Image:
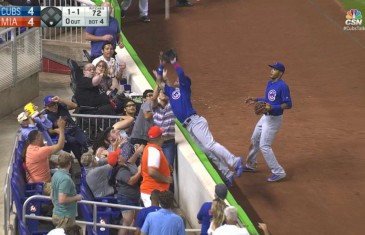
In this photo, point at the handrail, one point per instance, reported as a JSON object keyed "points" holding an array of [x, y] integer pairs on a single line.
{"points": [[95, 116], [94, 223], [7, 190]]}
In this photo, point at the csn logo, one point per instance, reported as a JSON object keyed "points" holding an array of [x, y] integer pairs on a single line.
{"points": [[353, 17]]}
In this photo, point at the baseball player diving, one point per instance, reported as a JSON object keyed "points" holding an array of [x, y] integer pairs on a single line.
{"points": [[179, 93], [271, 107]]}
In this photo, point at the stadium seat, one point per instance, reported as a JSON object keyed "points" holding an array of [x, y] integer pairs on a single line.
{"points": [[87, 212], [76, 72]]}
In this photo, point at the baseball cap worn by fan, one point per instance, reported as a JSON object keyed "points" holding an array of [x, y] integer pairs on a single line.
{"points": [[22, 117], [48, 100], [279, 66], [221, 191], [113, 157], [155, 131]]}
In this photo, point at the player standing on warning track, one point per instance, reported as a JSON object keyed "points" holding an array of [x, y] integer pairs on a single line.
{"points": [[277, 98], [179, 93]]}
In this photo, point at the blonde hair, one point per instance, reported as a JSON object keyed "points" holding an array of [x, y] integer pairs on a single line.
{"points": [[87, 159], [218, 207], [64, 160]]}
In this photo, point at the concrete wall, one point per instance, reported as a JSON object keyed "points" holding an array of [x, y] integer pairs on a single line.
{"points": [[193, 183], [15, 97]]}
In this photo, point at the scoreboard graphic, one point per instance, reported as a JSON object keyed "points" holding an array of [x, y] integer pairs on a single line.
{"points": [[37, 16]]}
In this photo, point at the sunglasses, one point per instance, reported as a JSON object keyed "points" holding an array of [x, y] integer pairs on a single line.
{"points": [[130, 105]]}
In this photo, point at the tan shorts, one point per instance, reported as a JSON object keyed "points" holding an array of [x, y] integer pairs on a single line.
{"points": [[47, 188], [62, 222]]}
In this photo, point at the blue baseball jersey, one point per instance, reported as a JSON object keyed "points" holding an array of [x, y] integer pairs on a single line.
{"points": [[112, 29], [276, 94], [180, 97]]}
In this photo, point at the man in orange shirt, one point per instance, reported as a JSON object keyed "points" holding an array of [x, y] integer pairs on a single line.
{"points": [[155, 167], [37, 156]]}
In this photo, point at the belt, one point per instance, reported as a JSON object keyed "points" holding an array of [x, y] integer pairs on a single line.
{"points": [[268, 114], [188, 120]]}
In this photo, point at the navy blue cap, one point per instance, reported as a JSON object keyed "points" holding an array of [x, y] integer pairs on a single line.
{"points": [[279, 66]]}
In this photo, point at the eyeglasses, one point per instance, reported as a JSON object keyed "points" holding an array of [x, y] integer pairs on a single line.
{"points": [[130, 105], [100, 66]]}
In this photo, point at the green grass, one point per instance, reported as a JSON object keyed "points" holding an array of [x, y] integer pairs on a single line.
{"points": [[354, 4]]}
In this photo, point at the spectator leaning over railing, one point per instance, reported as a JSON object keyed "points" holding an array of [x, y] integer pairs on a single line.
{"points": [[76, 139], [156, 172], [98, 173], [230, 226], [205, 213], [127, 177], [164, 221], [142, 214], [37, 157], [31, 119], [144, 120], [164, 117], [64, 195], [99, 35], [88, 94]]}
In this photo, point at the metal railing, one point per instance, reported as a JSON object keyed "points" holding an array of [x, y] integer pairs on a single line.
{"points": [[93, 124], [8, 202], [20, 55], [65, 34], [94, 223]]}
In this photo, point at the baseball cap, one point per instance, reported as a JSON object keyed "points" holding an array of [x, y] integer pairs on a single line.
{"points": [[155, 131], [48, 100], [22, 117], [279, 66], [113, 157], [221, 191]]}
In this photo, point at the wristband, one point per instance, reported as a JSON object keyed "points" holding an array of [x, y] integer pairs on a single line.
{"points": [[160, 70]]}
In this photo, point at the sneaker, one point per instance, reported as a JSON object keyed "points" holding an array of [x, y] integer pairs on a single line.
{"points": [[275, 178], [249, 169], [229, 181], [184, 4], [239, 167], [122, 13], [145, 19]]}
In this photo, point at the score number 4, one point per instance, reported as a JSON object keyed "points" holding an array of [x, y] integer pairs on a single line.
{"points": [[31, 12]]}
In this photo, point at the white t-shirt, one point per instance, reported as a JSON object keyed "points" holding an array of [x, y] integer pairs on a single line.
{"points": [[111, 63], [231, 230], [56, 231]]}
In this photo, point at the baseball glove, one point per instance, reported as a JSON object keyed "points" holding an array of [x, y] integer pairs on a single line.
{"points": [[262, 107], [169, 55]]}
